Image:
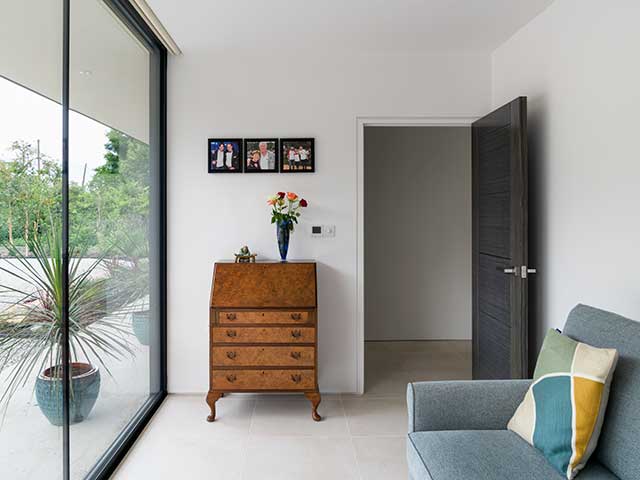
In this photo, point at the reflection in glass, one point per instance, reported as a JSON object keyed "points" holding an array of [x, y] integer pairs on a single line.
{"points": [[114, 234], [110, 227], [30, 211]]}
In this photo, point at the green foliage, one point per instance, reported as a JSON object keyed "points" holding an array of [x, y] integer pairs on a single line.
{"points": [[30, 193], [108, 219], [114, 200]]}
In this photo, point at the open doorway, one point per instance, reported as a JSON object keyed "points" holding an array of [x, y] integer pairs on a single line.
{"points": [[417, 238]]}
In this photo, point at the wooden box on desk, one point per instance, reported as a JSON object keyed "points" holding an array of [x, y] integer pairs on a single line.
{"points": [[263, 330]]}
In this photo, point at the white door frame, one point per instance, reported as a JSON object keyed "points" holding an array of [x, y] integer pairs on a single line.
{"points": [[381, 121]]}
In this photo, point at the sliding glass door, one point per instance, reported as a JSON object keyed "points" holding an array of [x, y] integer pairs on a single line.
{"points": [[82, 235], [31, 440]]}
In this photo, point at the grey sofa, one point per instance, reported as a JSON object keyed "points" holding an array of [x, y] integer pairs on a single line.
{"points": [[457, 430]]}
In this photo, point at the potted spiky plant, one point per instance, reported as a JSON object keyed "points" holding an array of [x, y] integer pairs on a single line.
{"points": [[31, 325], [131, 268]]}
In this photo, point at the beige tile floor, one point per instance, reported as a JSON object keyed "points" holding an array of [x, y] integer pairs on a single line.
{"points": [[273, 437]]}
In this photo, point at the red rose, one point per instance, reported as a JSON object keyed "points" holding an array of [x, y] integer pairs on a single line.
{"points": [[281, 194], [303, 203]]}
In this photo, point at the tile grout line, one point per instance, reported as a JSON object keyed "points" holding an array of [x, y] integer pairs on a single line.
{"points": [[245, 452], [353, 446]]}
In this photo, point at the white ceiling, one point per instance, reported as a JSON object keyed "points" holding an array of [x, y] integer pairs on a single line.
{"points": [[109, 68], [376, 26]]}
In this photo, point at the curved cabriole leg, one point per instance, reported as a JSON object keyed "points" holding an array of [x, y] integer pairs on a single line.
{"points": [[314, 398], [212, 398]]}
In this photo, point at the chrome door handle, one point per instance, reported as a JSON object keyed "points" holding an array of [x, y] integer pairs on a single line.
{"points": [[521, 272]]}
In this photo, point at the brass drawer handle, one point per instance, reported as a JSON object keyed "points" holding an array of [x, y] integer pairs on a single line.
{"points": [[296, 355], [296, 333], [231, 333], [296, 378], [296, 316], [231, 378], [231, 355], [231, 316]]}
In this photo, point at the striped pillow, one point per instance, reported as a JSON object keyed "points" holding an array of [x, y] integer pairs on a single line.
{"points": [[563, 410]]}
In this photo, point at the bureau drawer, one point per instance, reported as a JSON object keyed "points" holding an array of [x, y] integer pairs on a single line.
{"points": [[263, 379], [231, 318], [263, 356], [263, 334]]}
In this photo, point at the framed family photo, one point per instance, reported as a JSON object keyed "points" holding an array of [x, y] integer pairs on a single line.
{"points": [[225, 155], [298, 155], [261, 155]]}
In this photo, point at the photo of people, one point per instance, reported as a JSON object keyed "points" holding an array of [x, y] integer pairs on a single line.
{"points": [[298, 155], [261, 155], [225, 155]]}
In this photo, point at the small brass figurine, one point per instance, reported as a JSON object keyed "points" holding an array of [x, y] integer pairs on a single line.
{"points": [[245, 256]]}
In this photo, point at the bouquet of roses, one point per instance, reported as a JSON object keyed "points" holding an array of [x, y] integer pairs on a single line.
{"points": [[284, 208]]}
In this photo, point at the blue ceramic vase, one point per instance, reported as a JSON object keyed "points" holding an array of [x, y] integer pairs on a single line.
{"points": [[140, 324], [283, 233], [85, 386]]}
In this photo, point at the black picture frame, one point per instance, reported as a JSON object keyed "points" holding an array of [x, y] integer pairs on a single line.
{"points": [[251, 146], [298, 164], [237, 162]]}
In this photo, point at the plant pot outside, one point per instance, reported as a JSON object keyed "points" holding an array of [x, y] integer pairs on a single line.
{"points": [[140, 326], [85, 387]]}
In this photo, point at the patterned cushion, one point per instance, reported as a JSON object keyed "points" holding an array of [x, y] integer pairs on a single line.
{"points": [[563, 410]]}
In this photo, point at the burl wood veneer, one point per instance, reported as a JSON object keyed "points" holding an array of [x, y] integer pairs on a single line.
{"points": [[262, 330]]}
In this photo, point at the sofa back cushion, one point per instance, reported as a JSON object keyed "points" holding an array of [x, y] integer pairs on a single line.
{"points": [[619, 446]]}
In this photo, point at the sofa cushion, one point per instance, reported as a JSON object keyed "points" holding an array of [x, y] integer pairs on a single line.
{"points": [[618, 447], [562, 413], [483, 454]]}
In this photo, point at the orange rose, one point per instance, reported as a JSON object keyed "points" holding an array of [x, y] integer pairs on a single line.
{"points": [[292, 196]]}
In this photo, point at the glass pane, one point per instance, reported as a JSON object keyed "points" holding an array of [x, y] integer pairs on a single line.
{"points": [[112, 234], [30, 218]]}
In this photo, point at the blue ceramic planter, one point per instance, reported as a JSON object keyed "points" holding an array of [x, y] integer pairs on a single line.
{"points": [[283, 233], [85, 386], [140, 324]]}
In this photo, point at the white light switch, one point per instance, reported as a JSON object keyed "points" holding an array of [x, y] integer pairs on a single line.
{"points": [[328, 230]]}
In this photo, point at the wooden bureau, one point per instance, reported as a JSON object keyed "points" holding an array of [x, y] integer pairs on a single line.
{"points": [[262, 330]]}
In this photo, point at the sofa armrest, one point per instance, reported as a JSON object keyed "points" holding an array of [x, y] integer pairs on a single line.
{"points": [[463, 405]]}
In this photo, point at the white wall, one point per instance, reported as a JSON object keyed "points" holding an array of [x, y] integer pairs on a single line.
{"points": [[578, 64], [417, 242], [310, 94]]}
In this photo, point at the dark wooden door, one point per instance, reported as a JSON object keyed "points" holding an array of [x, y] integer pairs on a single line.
{"points": [[500, 271]]}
